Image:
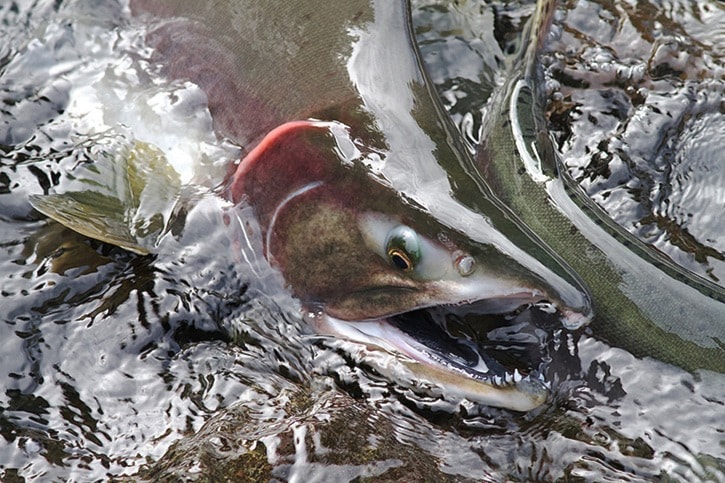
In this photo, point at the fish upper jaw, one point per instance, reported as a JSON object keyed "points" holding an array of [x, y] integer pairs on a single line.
{"points": [[499, 298], [453, 269]]}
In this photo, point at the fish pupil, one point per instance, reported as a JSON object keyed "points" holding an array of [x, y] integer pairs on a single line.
{"points": [[399, 260]]}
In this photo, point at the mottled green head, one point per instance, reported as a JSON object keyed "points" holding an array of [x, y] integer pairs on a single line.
{"points": [[358, 254]]}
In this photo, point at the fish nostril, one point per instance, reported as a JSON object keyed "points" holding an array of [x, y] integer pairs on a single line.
{"points": [[465, 264]]}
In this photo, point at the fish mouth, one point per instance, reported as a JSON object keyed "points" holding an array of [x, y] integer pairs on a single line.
{"points": [[475, 351]]}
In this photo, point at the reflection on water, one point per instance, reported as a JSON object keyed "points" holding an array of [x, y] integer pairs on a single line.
{"points": [[108, 357], [637, 111], [181, 364]]}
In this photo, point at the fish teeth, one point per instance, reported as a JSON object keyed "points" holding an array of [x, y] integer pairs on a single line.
{"points": [[541, 379], [508, 378], [571, 344], [546, 307]]}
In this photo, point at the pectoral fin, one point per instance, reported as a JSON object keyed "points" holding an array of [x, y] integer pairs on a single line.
{"points": [[126, 198]]}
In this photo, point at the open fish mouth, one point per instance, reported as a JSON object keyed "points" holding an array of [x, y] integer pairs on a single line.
{"points": [[497, 359]]}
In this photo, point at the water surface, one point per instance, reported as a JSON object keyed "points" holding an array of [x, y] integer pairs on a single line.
{"points": [[192, 363]]}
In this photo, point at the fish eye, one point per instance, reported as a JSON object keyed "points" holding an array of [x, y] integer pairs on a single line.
{"points": [[403, 248]]}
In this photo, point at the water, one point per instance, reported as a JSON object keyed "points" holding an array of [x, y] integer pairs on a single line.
{"points": [[646, 86], [107, 357], [181, 365]]}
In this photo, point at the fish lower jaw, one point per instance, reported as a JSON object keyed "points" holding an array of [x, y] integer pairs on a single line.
{"points": [[476, 383]]}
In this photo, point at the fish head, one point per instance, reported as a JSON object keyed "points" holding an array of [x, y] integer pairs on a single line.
{"points": [[361, 257]]}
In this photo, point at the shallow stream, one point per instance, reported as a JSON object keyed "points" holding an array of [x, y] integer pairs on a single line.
{"points": [[176, 366]]}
